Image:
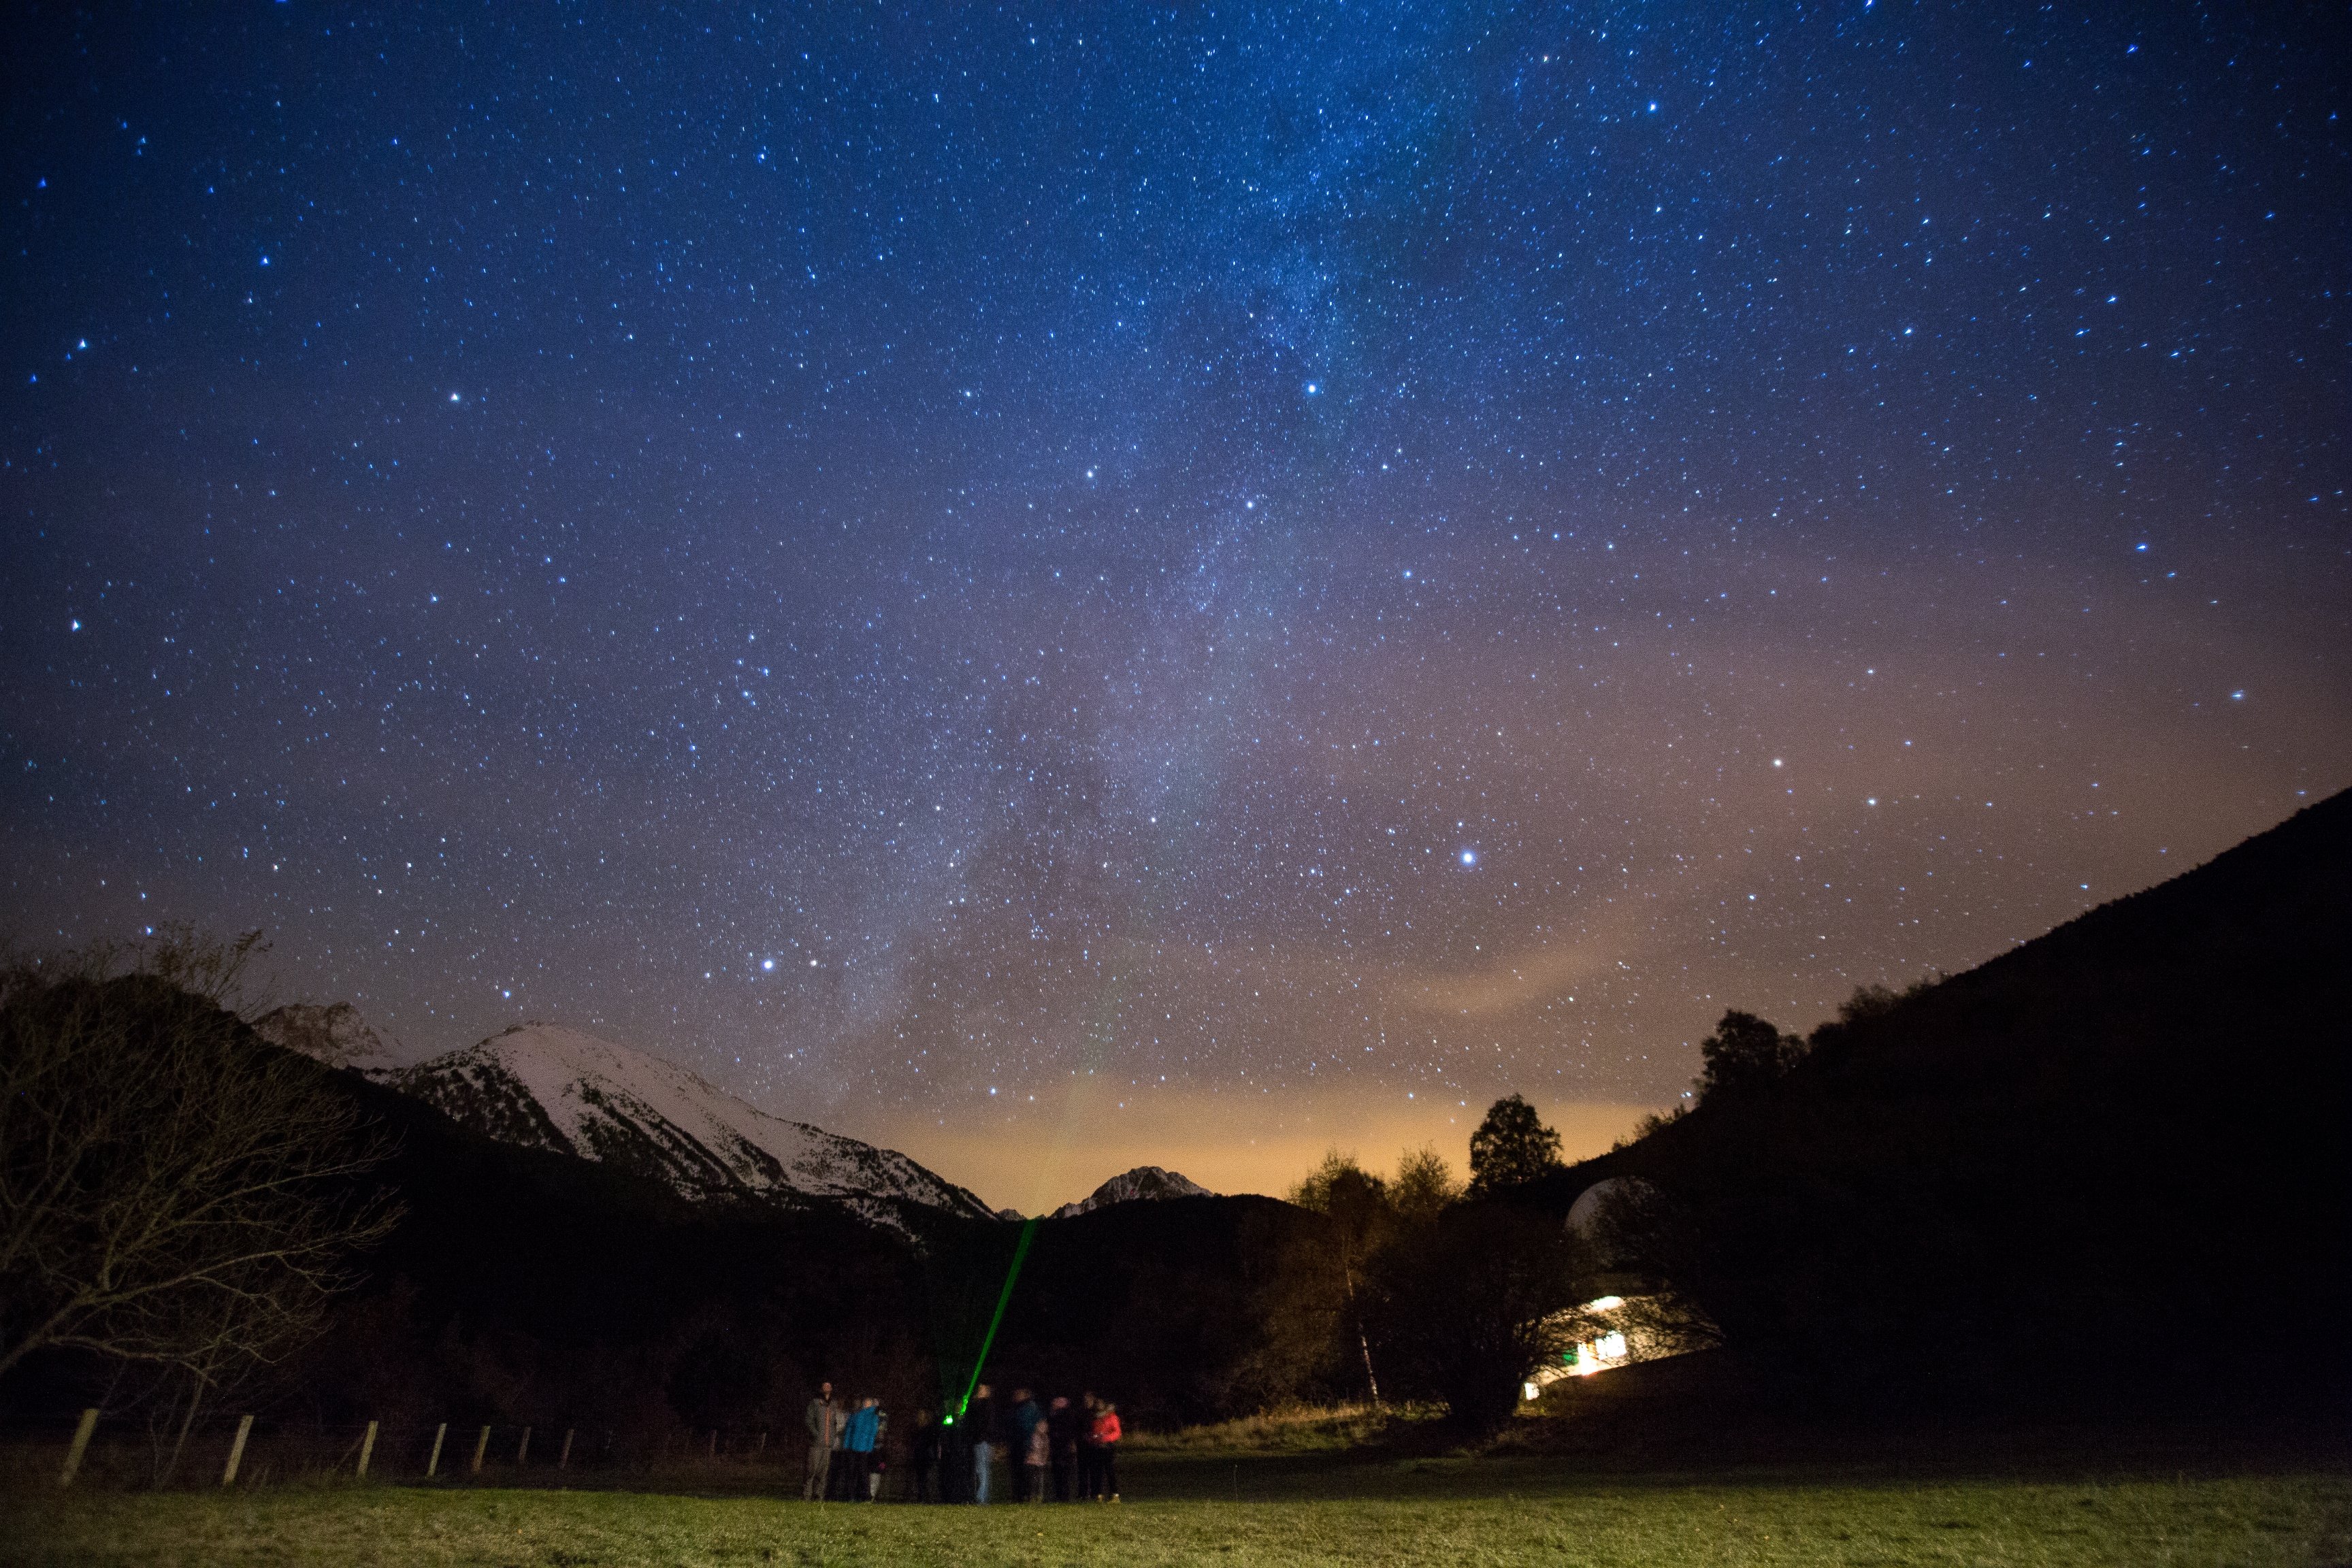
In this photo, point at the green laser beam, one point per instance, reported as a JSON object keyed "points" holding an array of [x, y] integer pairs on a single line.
{"points": [[1003, 1297]]}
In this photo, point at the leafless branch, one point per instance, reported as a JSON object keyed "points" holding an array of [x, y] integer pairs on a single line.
{"points": [[173, 1190]]}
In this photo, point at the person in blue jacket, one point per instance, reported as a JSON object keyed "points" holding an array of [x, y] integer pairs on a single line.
{"points": [[858, 1444]]}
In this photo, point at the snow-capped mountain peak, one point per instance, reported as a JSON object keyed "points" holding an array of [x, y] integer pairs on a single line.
{"points": [[1143, 1184], [547, 1087]]}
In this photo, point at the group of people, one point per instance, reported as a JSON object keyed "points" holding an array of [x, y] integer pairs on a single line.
{"points": [[845, 1437], [1059, 1449]]}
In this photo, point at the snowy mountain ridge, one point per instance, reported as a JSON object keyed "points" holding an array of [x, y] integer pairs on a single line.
{"points": [[545, 1087]]}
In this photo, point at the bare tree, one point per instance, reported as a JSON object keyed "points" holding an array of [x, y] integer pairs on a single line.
{"points": [[174, 1193], [1326, 1277], [1357, 1204]]}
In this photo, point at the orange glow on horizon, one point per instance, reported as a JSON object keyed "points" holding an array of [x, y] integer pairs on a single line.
{"points": [[1037, 1160]]}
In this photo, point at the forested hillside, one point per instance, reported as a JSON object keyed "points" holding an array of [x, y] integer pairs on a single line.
{"points": [[2111, 1165]]}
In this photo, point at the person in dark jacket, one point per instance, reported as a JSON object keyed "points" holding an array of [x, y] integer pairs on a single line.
{"points": [[1086, 1450], [1020, 1425], [955, 1454], [839, 1484], [923, 1454], [1026, 1413], [1063, 1427], [824, 1419], [981, 1419]]}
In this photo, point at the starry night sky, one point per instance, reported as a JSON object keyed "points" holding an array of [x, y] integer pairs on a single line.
{"points": [[1168, 578]]}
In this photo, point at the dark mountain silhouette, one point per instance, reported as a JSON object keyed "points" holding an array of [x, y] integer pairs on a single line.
{"points": [[2111, 1165], [1157, 1305], [530, 1284], [533, 1286], [526, 1285]]}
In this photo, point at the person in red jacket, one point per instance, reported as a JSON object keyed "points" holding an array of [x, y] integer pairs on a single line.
{"points": [[1104, 1440]]}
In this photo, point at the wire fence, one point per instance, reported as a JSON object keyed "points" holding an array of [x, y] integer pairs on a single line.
{"points": [[128, 1452]]}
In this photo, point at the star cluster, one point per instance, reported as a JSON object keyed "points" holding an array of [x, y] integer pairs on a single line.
{"points": [[909, 556]]}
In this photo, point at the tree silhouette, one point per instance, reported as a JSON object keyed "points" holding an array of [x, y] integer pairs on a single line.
{"points": [[174, 1194], [1512, 1145], [1357, 1203], [1424, 1185], [1470, 1302], [1745, 1053]]}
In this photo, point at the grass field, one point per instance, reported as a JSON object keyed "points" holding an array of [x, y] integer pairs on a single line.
{"points": [[1240, 1510]]}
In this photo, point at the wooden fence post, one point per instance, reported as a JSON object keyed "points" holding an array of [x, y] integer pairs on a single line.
{"points": [[564, 1460], [367, 1448], [763, 1444], [523, 1450], [82, 1429], [236, 1450], [481, 1447], [432, 1464], [714, 1442]]}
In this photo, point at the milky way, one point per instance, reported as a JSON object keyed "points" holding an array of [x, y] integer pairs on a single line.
{"points": [[911, 558]]}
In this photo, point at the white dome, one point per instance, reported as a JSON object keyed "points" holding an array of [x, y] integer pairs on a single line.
{"points": [[1585, 1215]]}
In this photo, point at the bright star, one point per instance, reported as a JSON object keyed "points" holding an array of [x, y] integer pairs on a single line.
{"points": [[1469, 857]]}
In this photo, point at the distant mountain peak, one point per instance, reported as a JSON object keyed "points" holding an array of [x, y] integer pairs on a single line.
{"points": [[334, 1034], [1145, 1184], [543, 1086]]}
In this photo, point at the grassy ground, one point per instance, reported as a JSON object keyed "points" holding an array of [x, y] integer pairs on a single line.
{"points": [[1303, 1430], [1238, 1510]]}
